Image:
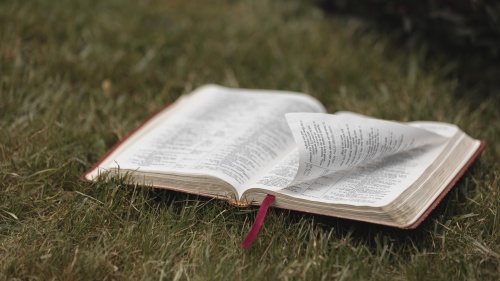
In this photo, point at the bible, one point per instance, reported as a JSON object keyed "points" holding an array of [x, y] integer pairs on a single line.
{"points": [[242, 145]]}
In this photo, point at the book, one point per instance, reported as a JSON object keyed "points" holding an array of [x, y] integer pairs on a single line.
{"points": [[242, 145]]}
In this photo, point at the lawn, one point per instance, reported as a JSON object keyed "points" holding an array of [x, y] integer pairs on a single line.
{"points": [[77, 76]]}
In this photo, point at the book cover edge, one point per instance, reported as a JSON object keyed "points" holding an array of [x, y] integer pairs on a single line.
{"points": [[120, 142], [457, 177]]}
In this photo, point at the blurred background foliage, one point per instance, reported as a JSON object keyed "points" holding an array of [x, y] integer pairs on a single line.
{"points": [[466, 33]]}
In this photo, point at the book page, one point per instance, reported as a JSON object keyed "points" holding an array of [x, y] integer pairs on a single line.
{"points": [[355, 160], [227, 133], [282, 174]]}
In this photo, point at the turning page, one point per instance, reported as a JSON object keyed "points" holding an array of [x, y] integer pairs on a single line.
{"points": [[355, 160], [329, 143]]}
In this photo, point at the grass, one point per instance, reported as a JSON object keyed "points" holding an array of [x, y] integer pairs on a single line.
{"points": [[76, 76]]}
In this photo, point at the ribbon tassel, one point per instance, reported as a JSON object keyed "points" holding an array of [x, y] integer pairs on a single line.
{"points": [[259, 220]]}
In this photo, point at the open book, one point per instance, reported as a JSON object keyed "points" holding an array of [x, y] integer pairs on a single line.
{"points": [[241, 145]]}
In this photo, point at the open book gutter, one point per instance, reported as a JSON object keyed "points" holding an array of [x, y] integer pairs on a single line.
{"points": [[281, 149]]}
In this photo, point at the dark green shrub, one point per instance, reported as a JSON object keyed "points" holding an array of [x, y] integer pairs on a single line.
{"points": [[468, 24], [464, 32]]}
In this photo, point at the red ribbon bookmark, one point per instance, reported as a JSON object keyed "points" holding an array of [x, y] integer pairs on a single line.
{"points": [[261, 215]]}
